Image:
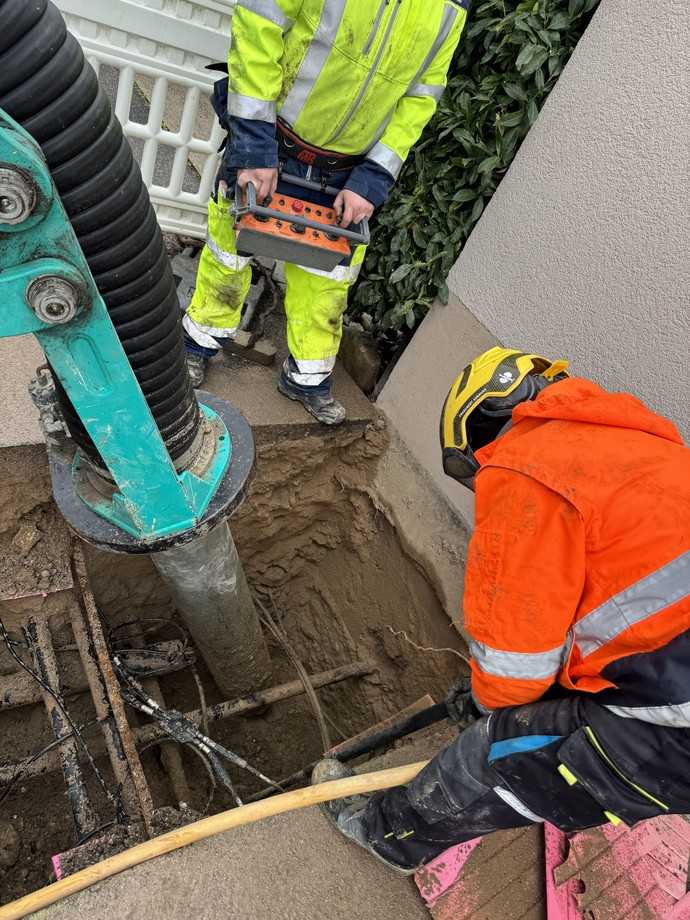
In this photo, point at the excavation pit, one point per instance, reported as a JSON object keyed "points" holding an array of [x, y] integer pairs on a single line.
{"points": [[325, 556]]}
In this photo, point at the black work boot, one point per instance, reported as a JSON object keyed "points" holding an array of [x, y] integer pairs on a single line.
{"points": [[347, 814], [318, 401]]}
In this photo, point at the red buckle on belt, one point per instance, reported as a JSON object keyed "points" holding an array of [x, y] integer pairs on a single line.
{"points": [[307, 156]]}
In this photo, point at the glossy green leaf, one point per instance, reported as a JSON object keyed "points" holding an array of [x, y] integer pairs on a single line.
{"points": [[401, 272]]}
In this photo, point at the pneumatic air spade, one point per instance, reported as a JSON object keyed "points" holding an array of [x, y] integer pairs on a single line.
{"points": [[118, 482]]}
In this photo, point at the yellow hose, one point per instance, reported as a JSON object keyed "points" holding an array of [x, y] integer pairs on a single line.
{"points": [[208, 827]]}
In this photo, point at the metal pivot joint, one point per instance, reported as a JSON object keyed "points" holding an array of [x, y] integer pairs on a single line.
{"points": [[17, 196], [54, 300]]}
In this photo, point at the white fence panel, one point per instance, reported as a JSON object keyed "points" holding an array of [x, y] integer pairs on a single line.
{"points": [[150, 55]]}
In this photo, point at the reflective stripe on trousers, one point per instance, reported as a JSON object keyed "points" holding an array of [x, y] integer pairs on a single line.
{"points": [[310, 373], [346, 273], [222, 283], [206, 336], [315, 302], [230, 260]]}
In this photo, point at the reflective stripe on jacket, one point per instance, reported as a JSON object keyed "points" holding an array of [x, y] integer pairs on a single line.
{"points": [[579, 567], [353, 76]]}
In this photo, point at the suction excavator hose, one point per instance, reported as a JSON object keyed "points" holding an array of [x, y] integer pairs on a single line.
{"points": [[48, 86]]}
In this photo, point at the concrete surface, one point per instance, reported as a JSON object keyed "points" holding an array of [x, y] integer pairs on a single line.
{"points": [[583, 250], [19, 358], [294, 867], [249, 387], [252, 389]]}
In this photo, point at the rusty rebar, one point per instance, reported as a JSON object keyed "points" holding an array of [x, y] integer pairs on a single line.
{"points": [[45, 663], [105, 690]]}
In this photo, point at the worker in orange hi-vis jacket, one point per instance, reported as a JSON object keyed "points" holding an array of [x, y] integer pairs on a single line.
{"points": [[577, 605]]}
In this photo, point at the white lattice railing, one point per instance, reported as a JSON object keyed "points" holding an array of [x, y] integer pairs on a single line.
{"points": [[150, 56]]}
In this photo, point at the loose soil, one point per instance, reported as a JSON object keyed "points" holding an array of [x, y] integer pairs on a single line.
{"points": [[319, 547]]}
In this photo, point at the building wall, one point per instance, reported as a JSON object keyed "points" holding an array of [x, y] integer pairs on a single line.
{"points": [[584, 250]]}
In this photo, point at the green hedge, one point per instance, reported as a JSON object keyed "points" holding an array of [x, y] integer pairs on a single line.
{"points": [[509, 60]]}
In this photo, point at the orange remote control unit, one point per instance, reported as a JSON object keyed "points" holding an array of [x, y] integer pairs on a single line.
{"points": [[293, 230]]}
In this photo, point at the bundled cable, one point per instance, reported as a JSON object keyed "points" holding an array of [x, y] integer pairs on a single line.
{"points": [[271, 623], [181, 730]]}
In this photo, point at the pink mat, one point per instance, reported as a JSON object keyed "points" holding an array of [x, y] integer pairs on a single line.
{"points": [[607, 873], [620, 873], [444, 872]]}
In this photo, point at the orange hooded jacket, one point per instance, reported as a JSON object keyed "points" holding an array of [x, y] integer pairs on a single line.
{"points": [[579, 567]]}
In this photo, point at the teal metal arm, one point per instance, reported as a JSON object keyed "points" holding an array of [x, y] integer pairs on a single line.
{"points": [[47, 289]]}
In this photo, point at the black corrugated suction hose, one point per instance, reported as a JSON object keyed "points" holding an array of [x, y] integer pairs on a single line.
{"points": [[47, 85]]}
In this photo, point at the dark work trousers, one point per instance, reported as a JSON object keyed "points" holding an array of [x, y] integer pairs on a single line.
{"points": [[570, 762]]}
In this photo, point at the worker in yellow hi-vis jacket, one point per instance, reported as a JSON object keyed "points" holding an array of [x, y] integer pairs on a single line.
{"points": [[333, 90]]}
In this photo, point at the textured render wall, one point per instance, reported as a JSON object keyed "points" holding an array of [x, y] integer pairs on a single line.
{"points": [[584, 250]]}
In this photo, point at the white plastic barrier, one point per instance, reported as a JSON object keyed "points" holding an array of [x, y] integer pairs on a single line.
{"points": [[151, 54]]}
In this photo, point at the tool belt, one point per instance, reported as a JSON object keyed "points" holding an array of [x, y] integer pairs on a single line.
{"points": [[290, 146]]}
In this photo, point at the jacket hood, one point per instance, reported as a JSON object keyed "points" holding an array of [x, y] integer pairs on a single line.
{"points": [[579, 400]]}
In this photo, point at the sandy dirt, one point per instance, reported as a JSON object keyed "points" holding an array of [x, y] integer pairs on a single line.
{"points": [[314, 542], [34, 555]]}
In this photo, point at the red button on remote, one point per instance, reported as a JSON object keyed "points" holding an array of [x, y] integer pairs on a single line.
{"points": [[297, 207]]}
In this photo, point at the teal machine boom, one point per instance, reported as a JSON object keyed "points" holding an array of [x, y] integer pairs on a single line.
{"points": [[137, 500]]}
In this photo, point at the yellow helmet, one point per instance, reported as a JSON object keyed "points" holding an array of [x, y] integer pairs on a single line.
{"points": [[482, 399]]}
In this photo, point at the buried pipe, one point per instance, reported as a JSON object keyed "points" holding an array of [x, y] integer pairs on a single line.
{"points": [[211, 594], [148, 733], [209, 827]]}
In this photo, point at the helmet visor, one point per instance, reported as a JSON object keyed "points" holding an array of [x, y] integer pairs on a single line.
{"points": [[458, 466]]}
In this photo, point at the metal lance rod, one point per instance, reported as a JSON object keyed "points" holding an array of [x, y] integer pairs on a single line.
{"points": [[211, 594]]}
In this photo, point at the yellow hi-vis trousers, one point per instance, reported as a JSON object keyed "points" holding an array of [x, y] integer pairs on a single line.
{"points": [[314, 301]]}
